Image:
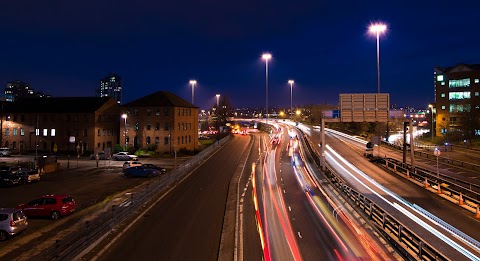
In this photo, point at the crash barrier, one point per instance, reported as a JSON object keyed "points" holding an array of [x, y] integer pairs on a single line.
{"points": [[449, 186], [442, 159], [400, 236], [85, 235]]}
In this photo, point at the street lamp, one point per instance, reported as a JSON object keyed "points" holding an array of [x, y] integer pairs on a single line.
{"points": [[291, 93], [378, 29], [266, 57], [193, 82], [124, 116], [431, 111]]}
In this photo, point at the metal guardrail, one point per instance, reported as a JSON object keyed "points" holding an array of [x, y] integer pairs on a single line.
{"points": [[86, 234], [398, 234], [450, 186], [458, 163]]}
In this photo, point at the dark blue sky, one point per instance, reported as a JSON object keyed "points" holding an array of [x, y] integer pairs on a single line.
{"points": [[64, 47]]}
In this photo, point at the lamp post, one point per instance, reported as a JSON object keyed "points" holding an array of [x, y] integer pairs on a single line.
{"points": [[124, 116], [431, 111], [291, 94], [378, 29], [193, 82], [218, 97], [437, 153], [266, 57]]}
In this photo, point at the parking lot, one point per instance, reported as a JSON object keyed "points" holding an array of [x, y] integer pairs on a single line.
{"points": [[87, 184]]}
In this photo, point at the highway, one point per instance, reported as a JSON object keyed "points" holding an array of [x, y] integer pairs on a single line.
{"points": [[302, 222], [187, 223], [379, 185]]}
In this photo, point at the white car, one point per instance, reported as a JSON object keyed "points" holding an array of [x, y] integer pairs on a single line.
{"points": [[124, 156], [132, 163]]}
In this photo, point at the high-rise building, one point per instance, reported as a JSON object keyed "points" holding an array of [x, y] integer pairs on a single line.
{"points": [[457, 93], [111, 86], [16, 90]]}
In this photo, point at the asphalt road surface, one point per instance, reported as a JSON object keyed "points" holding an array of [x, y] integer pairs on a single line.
{"points": [[187, 223]]}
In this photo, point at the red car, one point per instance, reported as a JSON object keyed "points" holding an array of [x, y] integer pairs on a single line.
{"points": [[53, 206]]}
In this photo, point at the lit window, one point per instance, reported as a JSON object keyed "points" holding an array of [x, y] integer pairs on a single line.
{"points": [[443, 83], [443, 95], [477, 80], [459, 83], [443, 107], [22, 132], [458, 95], [14, 132], [52, 132], [45, 132], [7, 132], [476, 93], [440, 78], [37, 132]]}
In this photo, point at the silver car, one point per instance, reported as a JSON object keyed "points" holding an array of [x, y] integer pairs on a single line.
{"points": [[124, 156], [12, 221]]}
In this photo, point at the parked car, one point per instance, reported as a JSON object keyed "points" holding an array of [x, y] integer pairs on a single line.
{"points": [[152, 166], [28, 175], [8, 179], [101, 156], [132, 163], [12, 222], [53, 206], [10, 169], [141, 171], [124, 156], [5, 152]]}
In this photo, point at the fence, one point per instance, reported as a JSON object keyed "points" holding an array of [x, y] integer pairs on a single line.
{"points": [[84, 235]]}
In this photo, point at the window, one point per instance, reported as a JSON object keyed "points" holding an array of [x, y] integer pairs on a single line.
{"points": [[182, 139], [459, 83], [189, 138], [476, 93], [458, 95], [165, 126], [443, 107], [443, 83], [165, 141], [37, 132], [190, 112], [104, 132], [178, 140], [14, 132], [45, 132], [7, 132], [157, 126], [149, 112], [109, 132], [22, 132], [477, 80], [190, 126], [135, 127], [52, 132], [157, 112], [440, 78], [459, 107], [14, 145], [157, 140], [85, 133], [99, 119], [183, 126], [7, 144], [98, 133], [183, 112], [165, 111], [135, 112], [149, 126], [148, 140], [443, 95], [178, 126]]}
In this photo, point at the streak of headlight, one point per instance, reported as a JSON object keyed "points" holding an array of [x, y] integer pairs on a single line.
{"points": [[437, 233]]}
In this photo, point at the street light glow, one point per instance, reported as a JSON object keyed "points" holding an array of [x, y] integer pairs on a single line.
{"points": [[377, 28], [193, 82], [291, 81], [124, 116], [266, 56]]}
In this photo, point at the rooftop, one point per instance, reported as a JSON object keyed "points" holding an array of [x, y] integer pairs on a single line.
{"points": [[160, 99]]}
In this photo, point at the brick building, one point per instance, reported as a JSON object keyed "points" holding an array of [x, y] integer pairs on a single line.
{"points": [[65, 124], [162, 119], [457, 91]]}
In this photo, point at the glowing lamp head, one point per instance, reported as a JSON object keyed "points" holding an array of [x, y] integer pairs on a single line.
{"points": [[298, 112], [218, 95], [430, 106], [124, 116], [266, 56], [377, 28], [193, 82], [291, 81]]}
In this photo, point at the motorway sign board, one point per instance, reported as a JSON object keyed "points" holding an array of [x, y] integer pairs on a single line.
{"points": [[364, 107]]}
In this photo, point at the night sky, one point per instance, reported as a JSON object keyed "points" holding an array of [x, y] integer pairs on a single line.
{"points": [[63, 47]]}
